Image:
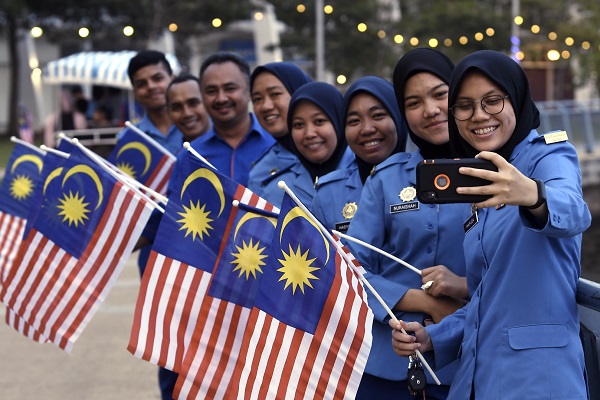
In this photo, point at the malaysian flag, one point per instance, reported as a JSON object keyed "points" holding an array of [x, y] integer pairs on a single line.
{"points": [[216, 343], [80, 231], [140, 157], [16, 197], [309, 333], [183, 256]]}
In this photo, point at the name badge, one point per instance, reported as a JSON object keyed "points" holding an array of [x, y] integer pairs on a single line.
{"points": [[471, 222], [342, 226], [555, 137], [397, 208]]}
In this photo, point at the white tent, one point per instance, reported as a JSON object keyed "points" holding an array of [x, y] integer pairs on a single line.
{"points": [[96, 68]]}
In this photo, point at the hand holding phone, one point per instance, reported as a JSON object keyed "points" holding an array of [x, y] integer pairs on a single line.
{"points": [[438, 179]]}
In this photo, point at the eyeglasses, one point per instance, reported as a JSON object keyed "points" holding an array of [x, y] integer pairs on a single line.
{"points": [[492, 105]]}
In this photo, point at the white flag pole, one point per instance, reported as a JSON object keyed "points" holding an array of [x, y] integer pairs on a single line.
{"points": [[283, 186], [122, 176], [148, 138], [385, 253], [102, 165], [189, 148], [29, 145]]}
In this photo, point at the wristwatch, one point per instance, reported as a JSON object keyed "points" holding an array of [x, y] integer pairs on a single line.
{"points": [[541, 192]]}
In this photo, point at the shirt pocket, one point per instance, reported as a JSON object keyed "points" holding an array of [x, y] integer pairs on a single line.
{"points": [[537, 336]]}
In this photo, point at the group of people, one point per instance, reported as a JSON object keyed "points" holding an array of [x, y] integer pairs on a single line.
{"points": [[498, 316]]}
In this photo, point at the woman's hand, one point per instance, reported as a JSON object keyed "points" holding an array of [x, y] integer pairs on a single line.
{"points": [[445, 282], [509, 186], [405, 345]]}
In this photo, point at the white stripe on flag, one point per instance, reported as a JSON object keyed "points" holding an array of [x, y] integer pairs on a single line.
{"points": [[61, 294], [11, 234]]}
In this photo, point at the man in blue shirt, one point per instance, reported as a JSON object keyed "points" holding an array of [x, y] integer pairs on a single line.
{"points": [[150, 75], [236, 139]]}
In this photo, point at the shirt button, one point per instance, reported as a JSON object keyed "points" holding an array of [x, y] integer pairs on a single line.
{"points": [[428, 250], [429, 226], [431, 205]]}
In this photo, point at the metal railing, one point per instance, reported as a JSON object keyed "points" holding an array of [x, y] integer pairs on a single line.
{"points": [[580, 118], [94, 137], [588, 300]]}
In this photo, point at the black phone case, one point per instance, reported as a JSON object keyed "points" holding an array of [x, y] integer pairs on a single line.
{"points": [[438, 179]]}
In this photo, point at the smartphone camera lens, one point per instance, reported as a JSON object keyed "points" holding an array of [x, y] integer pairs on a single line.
{"points": [[441, 182]]}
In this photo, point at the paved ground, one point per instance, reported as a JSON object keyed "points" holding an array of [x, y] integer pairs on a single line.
{"points": [[99, 367]]}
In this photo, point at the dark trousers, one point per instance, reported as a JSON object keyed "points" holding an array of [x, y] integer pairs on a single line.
{"points": [[372, 387]]}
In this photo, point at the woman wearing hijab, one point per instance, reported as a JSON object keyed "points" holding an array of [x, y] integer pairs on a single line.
{"points": [[314, 122], [271, 88], [429, 237], [374, 130], [519, 335]]}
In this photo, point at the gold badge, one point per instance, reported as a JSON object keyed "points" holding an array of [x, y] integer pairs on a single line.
{"points": [[408, 194], [349, 210], [273, 171]]}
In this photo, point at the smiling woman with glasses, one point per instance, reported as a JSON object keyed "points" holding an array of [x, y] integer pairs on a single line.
{"points": [[523, 247], [464, 110]]}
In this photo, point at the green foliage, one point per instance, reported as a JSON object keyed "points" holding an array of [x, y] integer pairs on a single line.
{"points": [[347, 51]]}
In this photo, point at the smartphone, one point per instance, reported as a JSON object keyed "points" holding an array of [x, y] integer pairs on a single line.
{"points": [[438, 179]]}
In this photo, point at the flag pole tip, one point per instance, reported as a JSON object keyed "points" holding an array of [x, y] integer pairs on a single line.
{"points": [[75, 141], [61, 135], [235, 203], [186, 145], [128, 124], [44, 147], [13, 138], [281, 184]]}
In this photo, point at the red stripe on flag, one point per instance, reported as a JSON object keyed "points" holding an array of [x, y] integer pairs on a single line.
{"points": [[59, 294], [68, 282], [159, 178], [154, 304], [236, 318], [136, 327], [11, 235], [112, 258], [234, 381], [289, 356]]}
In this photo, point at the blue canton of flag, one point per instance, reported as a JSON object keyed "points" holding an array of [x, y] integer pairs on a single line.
{"points": [[297, 280], [245, 252], [21, 180], [65, 146], [143, 160], [196, 215], [72, 200]]}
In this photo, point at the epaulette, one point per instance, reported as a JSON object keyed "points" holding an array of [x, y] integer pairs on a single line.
{"points": [[334, 176], [398, 158]]}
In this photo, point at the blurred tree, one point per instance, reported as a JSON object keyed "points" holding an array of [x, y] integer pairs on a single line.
{"points": [[392, 27], [11, 12], [456, 28], [61, 19]]}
